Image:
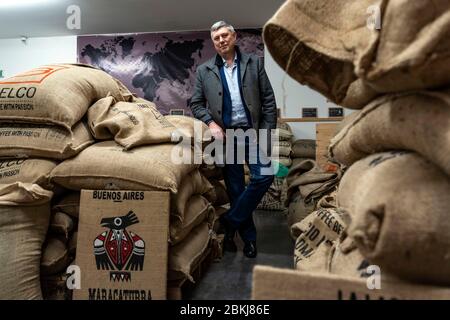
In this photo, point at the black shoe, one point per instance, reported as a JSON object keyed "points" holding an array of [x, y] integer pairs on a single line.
{"points": [[228, 241], [250, 249]]}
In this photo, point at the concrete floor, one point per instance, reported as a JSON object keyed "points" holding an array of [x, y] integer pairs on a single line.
{"points": [[231, 278]]}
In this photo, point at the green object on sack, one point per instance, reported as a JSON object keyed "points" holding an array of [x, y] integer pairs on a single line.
{"points": [[280, 170]]}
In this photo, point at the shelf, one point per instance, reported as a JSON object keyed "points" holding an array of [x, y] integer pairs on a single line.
{"points": [[329, 119]]}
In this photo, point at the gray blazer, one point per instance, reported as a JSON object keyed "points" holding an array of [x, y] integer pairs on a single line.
{"points": [[206, 102]]}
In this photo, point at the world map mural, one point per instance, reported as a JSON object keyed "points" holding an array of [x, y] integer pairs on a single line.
{"points": [[159, 67]]}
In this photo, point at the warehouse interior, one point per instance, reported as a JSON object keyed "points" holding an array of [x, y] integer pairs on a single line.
{"points": [[100, 100]]}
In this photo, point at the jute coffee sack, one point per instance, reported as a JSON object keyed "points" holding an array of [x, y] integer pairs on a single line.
{"points": [[54, 287], [328, 200], [192, 184], [197, 210], [26, 170], [186, 128], [221, 192], [392, 123], [69, 204], [283, 148], [398, 203], [55, 256], [61, 224], [297, 211], [314, 183], [22, 233], [284, 131], [130, 124], [24, 140], [414, 47], [106, 166], [218, 212], [184, 257], [299, 169], [317, 41], [275, 197], [56, 94], [320, 228], [23, 194], [304, 148], [211, 171]]}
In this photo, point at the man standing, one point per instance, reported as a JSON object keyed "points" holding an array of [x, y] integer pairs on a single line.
{"points": [[232, 91]]}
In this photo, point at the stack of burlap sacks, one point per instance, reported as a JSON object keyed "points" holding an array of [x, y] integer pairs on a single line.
{"points": [[303, 149], [275, 198], [392, 207], [39, 195]]}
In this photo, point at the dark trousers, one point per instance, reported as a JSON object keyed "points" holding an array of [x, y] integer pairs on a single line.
{"points": [[244, 200]]}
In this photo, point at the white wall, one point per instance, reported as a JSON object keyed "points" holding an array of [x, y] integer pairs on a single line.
{"points": [[296, 97], [16, 57]]}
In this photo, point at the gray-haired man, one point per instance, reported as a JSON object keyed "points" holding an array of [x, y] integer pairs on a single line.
{"points": [[232, 91]]}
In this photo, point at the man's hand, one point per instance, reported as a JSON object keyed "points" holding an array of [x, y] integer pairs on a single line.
{"points": [[216, 131]]}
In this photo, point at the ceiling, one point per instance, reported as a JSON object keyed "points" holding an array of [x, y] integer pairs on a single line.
{"points": [[43, 18]]}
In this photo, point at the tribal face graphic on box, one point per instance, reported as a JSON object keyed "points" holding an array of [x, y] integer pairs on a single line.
{"points": [[119, 249]]}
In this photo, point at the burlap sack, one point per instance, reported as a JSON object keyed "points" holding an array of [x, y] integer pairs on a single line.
{"points": [[218, 212], [190, 128], [54, 287], [61, 224], [282, 148], [297, 211], [275, 197], [55, 256], [328, 200], [130, 124], [24, 140], [284, 135], [194, 183], [304, 148], [105, 166], [316, 43], [210, 171], [23, 194], [399, 207], [299, 169], [56, 94], [22, 233], [327, 44], [352, 264], [314, 183], [296, 162], [316, 235], [222, 197], [320, 229], [197, 210], [414, 47], [184, 257], [72, 244], [26, 170], [69, 204], [418, 122]]}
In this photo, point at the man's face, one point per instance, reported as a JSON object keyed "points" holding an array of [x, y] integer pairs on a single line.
{"points": [[224, 40]]}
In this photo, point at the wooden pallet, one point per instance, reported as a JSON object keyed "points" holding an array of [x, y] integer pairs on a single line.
{"points": [[176, 288]]}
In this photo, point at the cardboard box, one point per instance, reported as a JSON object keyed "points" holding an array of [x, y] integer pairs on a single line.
{"points": [[286, 284], [122, 245]]}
